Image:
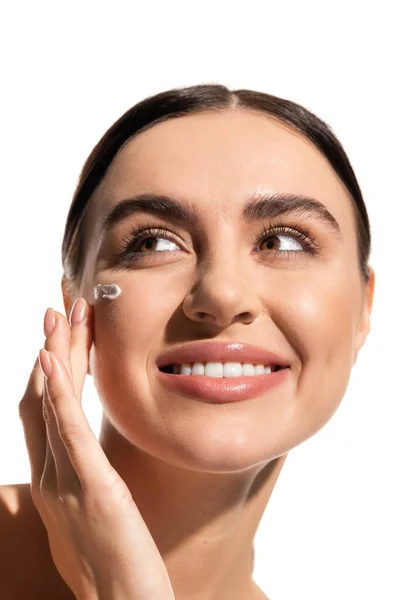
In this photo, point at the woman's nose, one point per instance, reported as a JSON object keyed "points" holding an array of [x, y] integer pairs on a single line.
{"points": [[223, 294]]}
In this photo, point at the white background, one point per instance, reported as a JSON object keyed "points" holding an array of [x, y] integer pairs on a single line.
{"points": [[68, 71]]}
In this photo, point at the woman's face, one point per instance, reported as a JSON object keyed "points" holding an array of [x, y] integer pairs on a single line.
{"points": [[220, 278]]}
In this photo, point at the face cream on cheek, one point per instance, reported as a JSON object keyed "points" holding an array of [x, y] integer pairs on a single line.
{"points": [[106, 291], [101, 292]]}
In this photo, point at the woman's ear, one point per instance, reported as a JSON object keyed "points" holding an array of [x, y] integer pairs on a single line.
{"points": [[365, 322]]}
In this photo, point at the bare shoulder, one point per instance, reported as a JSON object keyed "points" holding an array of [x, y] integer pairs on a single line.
{"points": [[27, 569]]}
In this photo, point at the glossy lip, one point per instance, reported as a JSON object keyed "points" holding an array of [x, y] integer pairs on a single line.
{"points": [[220, 352], [218, 390]]}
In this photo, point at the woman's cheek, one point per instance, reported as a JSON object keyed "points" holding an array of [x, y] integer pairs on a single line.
{"points": [[318, 322], [129, 329], [320, 314]]}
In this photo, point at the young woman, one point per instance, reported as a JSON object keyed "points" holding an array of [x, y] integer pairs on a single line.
{"points": [[217, 287]]}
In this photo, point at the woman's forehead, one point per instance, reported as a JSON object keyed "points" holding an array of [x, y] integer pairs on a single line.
{"points": [[221, 158]]}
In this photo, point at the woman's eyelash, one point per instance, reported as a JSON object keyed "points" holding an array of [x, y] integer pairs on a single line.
{"points": [[141, 232], [301, 234]]}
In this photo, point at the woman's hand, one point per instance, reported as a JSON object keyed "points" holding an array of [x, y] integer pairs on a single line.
{"points": [[98, 540]]}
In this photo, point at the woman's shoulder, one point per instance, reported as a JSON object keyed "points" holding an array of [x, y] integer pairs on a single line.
{"points": [[27, 569]]}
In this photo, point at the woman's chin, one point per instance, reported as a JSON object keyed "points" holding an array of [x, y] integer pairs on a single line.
{"points": [[206, 449]]}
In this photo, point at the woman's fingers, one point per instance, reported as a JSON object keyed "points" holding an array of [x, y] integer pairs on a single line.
{"points": [[58, 337], [81, 322], [51, 467], [84, 451], [71, 341], [31, 415], [48, 482], [59, 476]]}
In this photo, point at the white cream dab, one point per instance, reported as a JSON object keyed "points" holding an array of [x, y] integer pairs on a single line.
{"points": [[109, 292]]}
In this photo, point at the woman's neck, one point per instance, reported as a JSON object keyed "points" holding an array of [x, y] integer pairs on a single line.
{"points": [[202, 523]]}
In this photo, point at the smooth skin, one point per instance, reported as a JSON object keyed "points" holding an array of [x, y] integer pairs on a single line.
{"points": [[201, 475]]}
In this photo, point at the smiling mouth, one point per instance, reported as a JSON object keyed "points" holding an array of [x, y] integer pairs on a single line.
{"points": [[176, 369]]}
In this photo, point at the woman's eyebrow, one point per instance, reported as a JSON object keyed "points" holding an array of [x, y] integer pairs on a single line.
{"points": [[268, 205], [277, 204]]}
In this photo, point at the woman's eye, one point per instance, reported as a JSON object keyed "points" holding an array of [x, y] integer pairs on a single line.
{"points": [[272, 242], [151, 244], [287, 241], [143, 241]]}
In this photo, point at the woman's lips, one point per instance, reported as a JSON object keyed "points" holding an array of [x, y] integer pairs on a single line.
{"points": [[219, 351], [223, 389]]}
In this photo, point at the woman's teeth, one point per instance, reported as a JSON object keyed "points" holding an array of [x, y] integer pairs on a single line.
{"points": [[217, 369]]}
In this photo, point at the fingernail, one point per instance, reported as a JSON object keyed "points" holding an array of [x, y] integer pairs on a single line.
{"points": [[45, 363], [78, 312], [49, 322]]}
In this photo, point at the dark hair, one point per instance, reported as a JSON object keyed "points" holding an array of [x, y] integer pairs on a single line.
{"points": [[200, 98]]}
